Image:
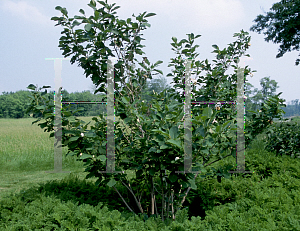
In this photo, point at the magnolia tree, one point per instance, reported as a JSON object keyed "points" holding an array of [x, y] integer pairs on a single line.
{"points": [[150, 140]]}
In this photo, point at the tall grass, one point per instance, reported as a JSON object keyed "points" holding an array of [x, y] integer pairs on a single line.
{"points": [[26, 152]]}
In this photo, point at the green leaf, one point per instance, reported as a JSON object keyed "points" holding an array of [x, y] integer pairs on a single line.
{"points": [[111, 183], [76, 23], [161, 132], [201, 131], [125, 99], [113, 9], [173, 132], [55, 18], [85, 156], [193, 185], [40, 107], [175, 142], [145, 24], [79, 17], [58, 8], [115, 31], [46, 87], [135, 25], [82, 11], [152, 149], [207, 112], [102, 3], [152, 171], [64, 12], [96, 13], [157, 63], [88, 27], [149, 15], [174, 39], [74, 138], [164, 146], [90, 134], [215, 46], [92, 6], [173, 178], [31, 87], [102, 158]]}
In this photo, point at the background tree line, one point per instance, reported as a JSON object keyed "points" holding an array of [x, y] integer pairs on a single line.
{"points": [[13, 105]]}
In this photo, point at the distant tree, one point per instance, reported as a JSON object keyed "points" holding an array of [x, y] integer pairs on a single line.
{"points": [[156, 85], [283, 26], [268, 89]]}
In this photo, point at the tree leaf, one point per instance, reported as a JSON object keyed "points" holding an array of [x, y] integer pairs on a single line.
{"points": [[74, 138], [111, 183], [215, 46], [149, 15], [193, 185], [76, 23], [145, 24], [85, 156], [201, 131], [174, 39], [64, 12], [102, 158], [82, 11], [58, 8], [113, 9], [175, 142], [161, 132], [173, 132], [88, 27], [173, 178], [31, 87], [152, 171], [96, 13]]}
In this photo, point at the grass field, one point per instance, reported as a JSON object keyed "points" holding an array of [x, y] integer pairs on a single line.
{"points": [[26, 152]]}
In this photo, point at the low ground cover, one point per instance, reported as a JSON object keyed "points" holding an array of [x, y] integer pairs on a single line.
{"points": [[268, 199]]}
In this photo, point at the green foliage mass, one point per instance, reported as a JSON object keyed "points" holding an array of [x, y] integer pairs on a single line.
{"points": [[266, 200], [282, 26]]}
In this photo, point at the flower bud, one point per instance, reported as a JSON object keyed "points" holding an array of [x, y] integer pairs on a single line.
{"points": [[82, 134]]}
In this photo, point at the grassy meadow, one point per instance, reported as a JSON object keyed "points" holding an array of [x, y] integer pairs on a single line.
{"points": [[26, 152]]}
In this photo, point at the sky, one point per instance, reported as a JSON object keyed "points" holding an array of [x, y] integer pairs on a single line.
{"points": [[29, 36]]}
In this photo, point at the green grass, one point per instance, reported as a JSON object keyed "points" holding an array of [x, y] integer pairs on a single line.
{"points": [[26, 152]]}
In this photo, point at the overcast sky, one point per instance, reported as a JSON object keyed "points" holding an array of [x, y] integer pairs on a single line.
{"points": [[28, 36]]}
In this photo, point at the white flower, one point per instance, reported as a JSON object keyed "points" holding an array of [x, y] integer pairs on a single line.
{"points": [[82, 134], [93, 156], [177, 158], [194, 81], [249, 44], [81, 154]]}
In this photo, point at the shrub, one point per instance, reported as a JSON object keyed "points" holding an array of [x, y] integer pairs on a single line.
{"points": [[284, 139]]}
